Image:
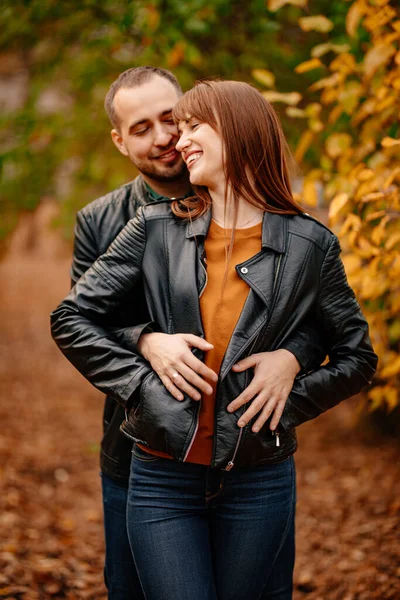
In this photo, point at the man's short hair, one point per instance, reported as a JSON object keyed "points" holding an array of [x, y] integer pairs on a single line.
{"points": [[134, 78]]}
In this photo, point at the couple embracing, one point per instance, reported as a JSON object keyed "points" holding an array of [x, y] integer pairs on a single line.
{"points": [[205, 322]]}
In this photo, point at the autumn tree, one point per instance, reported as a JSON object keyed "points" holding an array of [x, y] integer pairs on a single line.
{"points": [[354, 122]]}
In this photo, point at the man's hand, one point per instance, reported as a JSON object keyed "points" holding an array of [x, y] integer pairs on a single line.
{"points": [[172, 359], [274, 374]]}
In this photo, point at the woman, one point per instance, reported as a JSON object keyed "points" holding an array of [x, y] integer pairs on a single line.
{"points": [[241, 265]]}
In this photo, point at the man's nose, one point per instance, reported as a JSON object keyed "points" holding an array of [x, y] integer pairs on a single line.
{"points": [[163, 136]]}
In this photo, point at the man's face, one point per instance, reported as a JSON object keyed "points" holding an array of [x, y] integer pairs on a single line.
{"points": [[147, 134]]}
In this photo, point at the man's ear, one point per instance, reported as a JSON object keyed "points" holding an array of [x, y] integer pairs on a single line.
{"points": [[119, 142]]}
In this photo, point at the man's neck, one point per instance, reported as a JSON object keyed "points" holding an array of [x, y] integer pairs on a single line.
{"points": [[172, 189]]}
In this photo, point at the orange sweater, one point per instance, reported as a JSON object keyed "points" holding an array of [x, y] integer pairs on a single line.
{"points": [[220, 310]]}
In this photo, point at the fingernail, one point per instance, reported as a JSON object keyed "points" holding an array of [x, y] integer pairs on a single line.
{"points": [[180, 397], [197, 397], [255, 429], [240, 423]]}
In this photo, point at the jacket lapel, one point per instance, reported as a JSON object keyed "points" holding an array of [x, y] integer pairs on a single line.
{"points": [[261, 273]]}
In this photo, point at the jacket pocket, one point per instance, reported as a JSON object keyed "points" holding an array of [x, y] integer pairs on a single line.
{"points": [[161, 421]]}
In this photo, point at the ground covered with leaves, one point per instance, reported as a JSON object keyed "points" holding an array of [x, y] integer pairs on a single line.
{"points": [[51, 538]]}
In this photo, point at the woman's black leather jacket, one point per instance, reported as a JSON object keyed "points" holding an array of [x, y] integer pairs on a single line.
{"points": [[297, 277]]}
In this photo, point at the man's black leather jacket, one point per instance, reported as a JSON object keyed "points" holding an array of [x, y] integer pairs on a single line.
{"points": [[97, 225], [296, 279]]}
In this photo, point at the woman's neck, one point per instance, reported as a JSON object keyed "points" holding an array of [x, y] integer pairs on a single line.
{"points": [[247, 216]]}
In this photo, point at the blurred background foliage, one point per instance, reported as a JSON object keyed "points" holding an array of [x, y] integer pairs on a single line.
{"points": [[57, 60], [331, 68]]}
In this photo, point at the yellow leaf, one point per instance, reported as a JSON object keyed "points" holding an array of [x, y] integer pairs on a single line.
{"points": [[329, 96], [381, 106], [352, 223], [365, 174], [291, 98], [391, 178], [350, 95], [392, 240], [380, 18], [322, 49], [335, 114], [392, 368], [377, 214], [337, 204], [326, 82], [389, 142], [295, 113], [316, 23], [308, 65], [365, 249], [372, 197], [310, 194], [377, 56], [392, 397], [313, 109], [303, 145], [344, 63], [274, 5], [315, 125], [337, 143], [265, 77], [355, 13], [352, 263]]}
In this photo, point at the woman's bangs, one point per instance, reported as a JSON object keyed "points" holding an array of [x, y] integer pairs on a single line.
{"points": [[194, 104]]}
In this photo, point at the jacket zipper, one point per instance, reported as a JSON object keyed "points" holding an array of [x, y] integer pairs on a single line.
{"points": [[198, 410], [206, 281], [231, 463]]}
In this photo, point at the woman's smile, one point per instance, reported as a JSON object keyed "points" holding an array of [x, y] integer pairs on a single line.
{"points": [[202, 151]]}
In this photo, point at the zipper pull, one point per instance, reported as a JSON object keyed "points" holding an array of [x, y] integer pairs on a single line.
{"points": [[126, 415], [277, 440], [229, 466]]}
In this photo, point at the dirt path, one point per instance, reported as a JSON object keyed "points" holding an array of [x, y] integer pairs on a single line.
{"points": [[348, 534]]}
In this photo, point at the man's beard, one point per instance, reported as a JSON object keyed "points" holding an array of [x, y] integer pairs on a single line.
{"points": [[169, 174]]}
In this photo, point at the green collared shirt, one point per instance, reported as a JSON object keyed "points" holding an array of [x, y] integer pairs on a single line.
{"points": [[155, 197]]}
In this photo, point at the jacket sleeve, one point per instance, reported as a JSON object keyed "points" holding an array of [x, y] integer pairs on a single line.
{"points": [[76, 322], [352, 361], [85, 253], [307, 345], [85, 247]]}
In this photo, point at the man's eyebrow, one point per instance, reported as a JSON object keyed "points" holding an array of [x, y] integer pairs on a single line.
{"points": [[136, 123], [168, 111]]}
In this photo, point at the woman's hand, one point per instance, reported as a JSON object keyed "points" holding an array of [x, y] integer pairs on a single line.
{"points": [[274, 374], [172, 359]]}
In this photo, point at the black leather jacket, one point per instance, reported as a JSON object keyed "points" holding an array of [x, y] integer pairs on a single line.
{"points": [[296, 278], [97, 225]]}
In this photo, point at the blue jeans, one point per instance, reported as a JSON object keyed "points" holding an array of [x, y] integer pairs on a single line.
{"points": [[204, 534], [119, 571]]}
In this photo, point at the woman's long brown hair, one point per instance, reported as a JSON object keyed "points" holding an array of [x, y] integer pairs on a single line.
{"points": [[256, 154]]}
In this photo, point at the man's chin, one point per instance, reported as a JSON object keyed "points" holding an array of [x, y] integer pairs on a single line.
{"points": [[168, 174]]}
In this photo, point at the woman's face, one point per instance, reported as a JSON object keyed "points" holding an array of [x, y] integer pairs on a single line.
{"points": [[202, 150]]}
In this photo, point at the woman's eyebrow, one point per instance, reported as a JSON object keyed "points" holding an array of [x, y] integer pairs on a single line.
{"points": [[181, 121]]}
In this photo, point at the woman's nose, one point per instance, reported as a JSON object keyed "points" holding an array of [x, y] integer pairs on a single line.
{"points": [[182, 143]]}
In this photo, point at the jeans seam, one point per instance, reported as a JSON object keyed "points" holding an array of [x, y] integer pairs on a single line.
{"points": [[218, 492], [290, 514]]}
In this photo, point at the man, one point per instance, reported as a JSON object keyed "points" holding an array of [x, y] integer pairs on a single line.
{"points": [[139, 105]]}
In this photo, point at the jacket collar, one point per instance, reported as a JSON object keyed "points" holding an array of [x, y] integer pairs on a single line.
{"points": [[274, 230]]}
